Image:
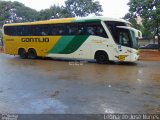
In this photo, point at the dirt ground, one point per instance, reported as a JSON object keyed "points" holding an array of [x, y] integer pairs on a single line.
{"points": [[145, 55], [149, 55]]}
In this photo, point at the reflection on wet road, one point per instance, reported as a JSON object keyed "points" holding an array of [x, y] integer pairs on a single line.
{"points": [[48, 86]]}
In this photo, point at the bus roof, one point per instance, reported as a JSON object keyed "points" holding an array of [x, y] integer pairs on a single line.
{"points": [[69, 20]]}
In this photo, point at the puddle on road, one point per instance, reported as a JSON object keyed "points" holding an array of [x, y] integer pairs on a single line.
{"points": [[121, 80], [38, 106]]}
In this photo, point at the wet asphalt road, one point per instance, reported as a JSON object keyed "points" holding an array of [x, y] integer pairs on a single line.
{"points": [[49, 86]]}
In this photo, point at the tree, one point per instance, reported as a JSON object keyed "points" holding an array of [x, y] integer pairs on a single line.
{"points": [[16, 12], [131, 19], [149, 10], [72, 8], [23, 13], [4, 10], [145, 32], [53, 12], [83, 8]]}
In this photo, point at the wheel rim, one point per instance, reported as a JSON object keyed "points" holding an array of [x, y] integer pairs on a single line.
{"points": [[32, 54], [22, 53], [101, 57]]}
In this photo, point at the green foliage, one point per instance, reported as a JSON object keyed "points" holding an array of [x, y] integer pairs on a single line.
{"points": [[53, 12], [145, 32], [131, 19], [18, 12], [149, 10], [83, 7], [4, 8], [72, 8], [25, 13]]}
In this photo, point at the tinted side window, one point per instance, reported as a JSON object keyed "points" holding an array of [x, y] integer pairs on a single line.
{"points": [[57, 29], [76, 29], [81, 29], [72, 29], [38, 30], [22, 31], [96, 29], [10, 30], [113, 29]]}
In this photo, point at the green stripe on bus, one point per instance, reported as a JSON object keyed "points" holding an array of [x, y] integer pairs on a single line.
{"points": [[61, 44], [74, 44], [68, 44]]}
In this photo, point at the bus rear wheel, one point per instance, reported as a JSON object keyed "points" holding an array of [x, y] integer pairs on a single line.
{"points": [[101, 57], [22, 53], [32, 53]]}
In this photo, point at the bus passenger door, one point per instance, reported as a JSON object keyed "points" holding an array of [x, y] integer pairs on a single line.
{"points": [[124, 44]]}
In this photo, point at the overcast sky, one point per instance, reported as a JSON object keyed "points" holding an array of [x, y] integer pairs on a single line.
{"points": [[111, 8]]}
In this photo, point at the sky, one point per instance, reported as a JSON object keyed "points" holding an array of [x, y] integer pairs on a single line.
{"points": [[111, 8]]}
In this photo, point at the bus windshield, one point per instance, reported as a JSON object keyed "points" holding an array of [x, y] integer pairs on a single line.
{"points": [[122, 34], [134, 40], [126, 37]]}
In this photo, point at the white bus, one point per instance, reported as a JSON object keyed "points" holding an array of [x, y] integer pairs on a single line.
{"points": [[100, 38]]}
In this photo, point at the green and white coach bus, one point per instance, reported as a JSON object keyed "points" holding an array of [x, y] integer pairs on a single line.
{"points": [[98, 38]]}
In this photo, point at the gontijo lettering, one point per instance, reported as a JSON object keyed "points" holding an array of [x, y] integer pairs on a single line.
{"points": [[35, 39]]}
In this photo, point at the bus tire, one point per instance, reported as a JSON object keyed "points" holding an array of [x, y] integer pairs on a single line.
{"points": [[32, 54], [101, 57], [22, 53]]}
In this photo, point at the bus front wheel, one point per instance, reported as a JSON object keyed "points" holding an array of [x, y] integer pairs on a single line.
{"points": [[101, 57], [22, 53], [32, 53]]}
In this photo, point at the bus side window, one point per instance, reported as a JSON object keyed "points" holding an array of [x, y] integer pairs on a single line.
{"points": [[96, 29], [24, 31], [36, 31], [19, 31], [10, 30], [58, 29], [14, 31], [90, 30], [72, 29], [62, 29], [61, 32], [101, 32], [44, 30], [81, 29], [54, 30], [31, 31]]}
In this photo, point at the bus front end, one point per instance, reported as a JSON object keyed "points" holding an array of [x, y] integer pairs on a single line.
{"points": [[127, 44]]}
